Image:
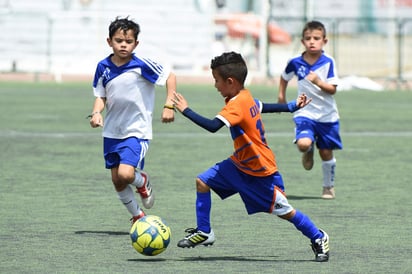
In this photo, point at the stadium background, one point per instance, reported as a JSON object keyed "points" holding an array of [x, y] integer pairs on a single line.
{"points": [[63, 40]]}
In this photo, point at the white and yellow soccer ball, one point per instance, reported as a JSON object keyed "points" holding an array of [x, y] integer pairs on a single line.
{"points": [[150, 235]]}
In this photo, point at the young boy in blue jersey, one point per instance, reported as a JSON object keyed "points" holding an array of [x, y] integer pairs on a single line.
{"points": [[251, 171], [317, 124], [124, 84]]}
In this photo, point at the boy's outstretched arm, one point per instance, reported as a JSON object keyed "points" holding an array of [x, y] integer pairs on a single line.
{"points": [[180, 103], [292, 106]]}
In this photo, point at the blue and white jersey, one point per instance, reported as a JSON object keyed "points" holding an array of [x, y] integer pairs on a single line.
{"points": [[323, 107], [130, 95]]}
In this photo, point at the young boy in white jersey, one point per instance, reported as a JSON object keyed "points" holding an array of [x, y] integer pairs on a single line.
{"points": [[124, 84], [318, 123]]}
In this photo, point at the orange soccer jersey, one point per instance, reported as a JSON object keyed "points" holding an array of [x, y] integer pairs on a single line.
{"points": [[252, 154]]}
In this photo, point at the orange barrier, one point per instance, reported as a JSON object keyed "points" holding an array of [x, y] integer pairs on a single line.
{"points": [[245, 24]]}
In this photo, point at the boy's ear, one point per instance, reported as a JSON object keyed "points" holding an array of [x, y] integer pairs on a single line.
{"points": [[325, 41]]}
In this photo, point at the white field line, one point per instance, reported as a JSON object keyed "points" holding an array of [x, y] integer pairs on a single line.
{"points": [[60, 135]]}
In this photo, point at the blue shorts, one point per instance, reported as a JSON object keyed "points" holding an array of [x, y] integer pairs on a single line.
{"points": [[130, 151], [325, 135], [258, 193]]}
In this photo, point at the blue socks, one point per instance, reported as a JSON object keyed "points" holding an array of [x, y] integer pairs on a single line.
{"points": [[306, 226], [203, 207], [300, 220]]}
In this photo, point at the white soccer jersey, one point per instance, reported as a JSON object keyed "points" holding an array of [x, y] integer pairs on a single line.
{"points": [[130, 95], [323, 107]]}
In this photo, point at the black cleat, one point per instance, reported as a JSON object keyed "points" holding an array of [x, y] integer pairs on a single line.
{"points": [[321, 248], [197, 237]]}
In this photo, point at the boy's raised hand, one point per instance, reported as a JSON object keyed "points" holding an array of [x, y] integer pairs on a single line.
{"points": [[302, 100], [179, 102]]}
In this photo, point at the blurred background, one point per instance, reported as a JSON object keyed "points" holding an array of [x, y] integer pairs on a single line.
{"points": [[61, 40]]}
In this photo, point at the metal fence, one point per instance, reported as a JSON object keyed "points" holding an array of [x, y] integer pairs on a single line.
{"points": [[41, 43], [382, 53]]}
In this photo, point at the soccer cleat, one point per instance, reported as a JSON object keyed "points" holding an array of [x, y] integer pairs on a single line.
{"points": [[197, 237], [321, 248], [135, 218], [146, 191], [307, 159], [328, 193]]}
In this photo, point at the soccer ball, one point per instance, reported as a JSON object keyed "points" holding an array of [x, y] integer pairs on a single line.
{"points": [[150, 235]]}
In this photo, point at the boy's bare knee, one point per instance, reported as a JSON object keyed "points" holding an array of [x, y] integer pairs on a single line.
{"points": [[289, 215], [304, 144], [201, 186]]}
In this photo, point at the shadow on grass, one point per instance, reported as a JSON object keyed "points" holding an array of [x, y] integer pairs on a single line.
{"points": [[148, 259], [295, 197], [110, 233], [231, 258], [221, 258]]}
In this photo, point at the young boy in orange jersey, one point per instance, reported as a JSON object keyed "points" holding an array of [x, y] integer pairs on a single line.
{"points": [[251, 171]]}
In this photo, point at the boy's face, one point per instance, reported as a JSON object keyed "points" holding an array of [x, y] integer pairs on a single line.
{"points": [[220, 84], [123, 43], [226, 87], [313, 40]]}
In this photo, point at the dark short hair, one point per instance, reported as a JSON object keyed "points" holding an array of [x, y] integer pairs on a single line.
{"points": [[123, 24], [312, 25], [230, 64]]}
